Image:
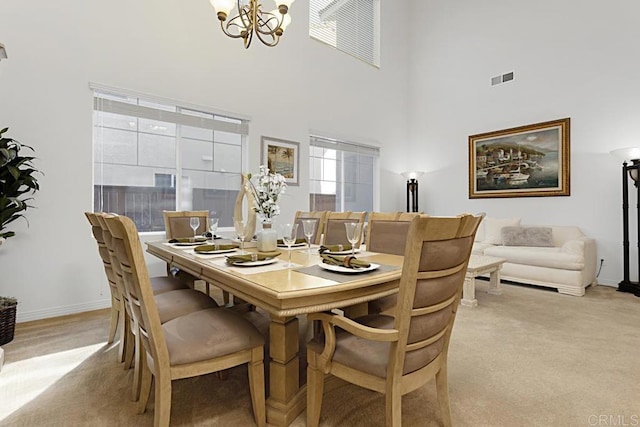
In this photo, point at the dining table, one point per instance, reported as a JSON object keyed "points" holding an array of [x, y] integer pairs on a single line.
{"points": [[287, 293]]}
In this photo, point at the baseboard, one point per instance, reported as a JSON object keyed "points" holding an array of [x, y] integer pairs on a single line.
{"points": [[60, 311]]}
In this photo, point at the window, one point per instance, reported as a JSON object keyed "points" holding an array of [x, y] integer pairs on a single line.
{"points": [[342, 175], [352, 26], [152, 156]]}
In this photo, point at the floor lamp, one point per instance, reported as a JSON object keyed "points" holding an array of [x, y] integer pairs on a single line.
{"points": [[412, 190], [629, 171]]}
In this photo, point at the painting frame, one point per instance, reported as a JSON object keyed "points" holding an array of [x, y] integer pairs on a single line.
{"points": [[290, 167], [537, 163]]}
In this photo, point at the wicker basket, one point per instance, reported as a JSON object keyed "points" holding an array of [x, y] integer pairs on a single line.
{"points": [[7, 323]]}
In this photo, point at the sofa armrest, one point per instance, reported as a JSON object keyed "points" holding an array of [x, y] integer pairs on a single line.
{"points": [[585, 247]]}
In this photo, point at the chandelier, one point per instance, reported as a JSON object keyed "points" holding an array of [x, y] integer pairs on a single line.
{"points": [[252, 19]]}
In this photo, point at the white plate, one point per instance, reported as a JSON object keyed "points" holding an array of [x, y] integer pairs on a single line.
{"points": [[339, 269], [219, 251], [254, 263], [343, 252], [295, 245], [189, 243]]}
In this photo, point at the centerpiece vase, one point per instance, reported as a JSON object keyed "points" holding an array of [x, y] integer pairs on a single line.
{"points": [[267, 238]]}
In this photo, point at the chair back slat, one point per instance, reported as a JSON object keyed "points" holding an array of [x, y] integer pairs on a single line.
{"points": [[176, 223], [387, 231], [436, 257], [96, 230], [319, 219], [128, 251], [334, 230]]}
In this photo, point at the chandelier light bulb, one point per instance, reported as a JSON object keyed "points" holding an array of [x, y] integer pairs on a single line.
{"points": [[223, 7]]}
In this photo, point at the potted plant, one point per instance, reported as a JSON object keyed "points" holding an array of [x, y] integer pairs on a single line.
{"points": [[17, 181], [8, 307]]}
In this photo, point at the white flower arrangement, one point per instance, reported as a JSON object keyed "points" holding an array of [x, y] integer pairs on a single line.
{"points": [[266, 192]]}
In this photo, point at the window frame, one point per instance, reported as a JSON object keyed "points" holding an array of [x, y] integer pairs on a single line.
{"points": [[219, 121], [343, 145]]}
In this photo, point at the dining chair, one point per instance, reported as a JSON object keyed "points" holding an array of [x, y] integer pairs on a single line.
{"points": [[318, 217], [397, 355], [334, 230], [176, 225], [118, 310], [387, 233], [171, 301], [195, 344], [118, 322]]}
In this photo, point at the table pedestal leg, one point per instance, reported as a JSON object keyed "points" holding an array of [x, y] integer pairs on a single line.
{"points": [[469, 291], [494, 283], [286, 400]]}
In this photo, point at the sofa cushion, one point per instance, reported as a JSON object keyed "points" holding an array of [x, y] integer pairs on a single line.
{"points": [[527, 236], [493, 228], [535, 256]]}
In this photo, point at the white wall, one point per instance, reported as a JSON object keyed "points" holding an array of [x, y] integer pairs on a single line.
{"points": [[173, 50], [572, 58]]}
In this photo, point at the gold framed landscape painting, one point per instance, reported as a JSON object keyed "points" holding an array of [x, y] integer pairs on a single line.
{"points": [[281, 157], [526, 161]]}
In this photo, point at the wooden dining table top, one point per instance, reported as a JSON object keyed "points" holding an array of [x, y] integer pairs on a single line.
{"points": [[286, 291]]}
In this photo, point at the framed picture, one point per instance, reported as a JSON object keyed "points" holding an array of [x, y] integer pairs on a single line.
{"points": [[526, 161], [282, 157]]}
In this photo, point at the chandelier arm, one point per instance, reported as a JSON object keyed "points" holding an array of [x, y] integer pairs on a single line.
{"points": [[227, 32], [245, 14], [247, 40], [262, 23], [275, 38]]}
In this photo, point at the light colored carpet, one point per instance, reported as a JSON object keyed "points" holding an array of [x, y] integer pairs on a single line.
{"points": [[529, 357]]}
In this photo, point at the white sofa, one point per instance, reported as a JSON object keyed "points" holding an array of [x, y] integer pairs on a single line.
{"points": [[565, 260]]}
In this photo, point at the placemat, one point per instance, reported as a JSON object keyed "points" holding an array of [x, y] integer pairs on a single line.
{"points": [[318, 271]]}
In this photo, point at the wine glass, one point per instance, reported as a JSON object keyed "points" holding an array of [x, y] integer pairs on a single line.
{"points": [[354, 229], [289, 233], [308, 226], [241, 230], [194, 222], [213, 227]]}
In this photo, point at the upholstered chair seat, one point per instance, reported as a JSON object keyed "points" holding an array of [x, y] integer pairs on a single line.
{"points": [[192, 338], [178, 303], [162, 284]]}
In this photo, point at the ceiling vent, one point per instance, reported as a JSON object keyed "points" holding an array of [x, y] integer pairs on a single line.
{"points": [[503, 78]]}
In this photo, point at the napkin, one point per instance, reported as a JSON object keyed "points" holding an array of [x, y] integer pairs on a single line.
{"points": [[188, 240], [239, 259], [297, 242], [208, 236], [334, 248], [209, 248], [348, 261]]}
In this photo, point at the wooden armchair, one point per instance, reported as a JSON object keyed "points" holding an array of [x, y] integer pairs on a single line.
{"points": [[395, 356], [334, 231], [195, 344]]}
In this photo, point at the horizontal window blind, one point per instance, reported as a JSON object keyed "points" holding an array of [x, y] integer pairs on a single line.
{"points": [[343, 175], [352, 26], [334, 144], [117, 107], [153, 154]]}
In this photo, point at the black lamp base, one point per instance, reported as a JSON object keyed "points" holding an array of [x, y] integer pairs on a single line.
{"points": [[631, 287]]}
